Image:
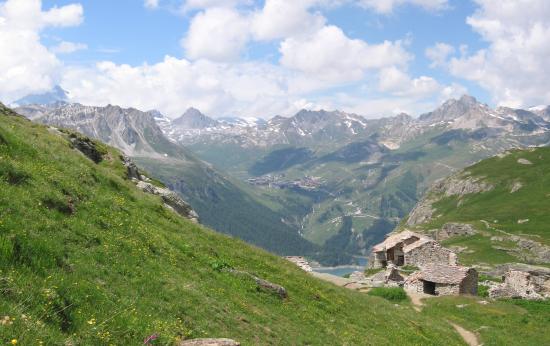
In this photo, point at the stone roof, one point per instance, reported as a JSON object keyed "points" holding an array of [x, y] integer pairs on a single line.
{"points": [[443, 274], [417, 244], [395, 239]]}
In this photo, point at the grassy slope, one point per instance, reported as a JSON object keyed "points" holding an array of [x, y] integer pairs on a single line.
{"points": [[506, 322], [121, 267], [501, 208]]}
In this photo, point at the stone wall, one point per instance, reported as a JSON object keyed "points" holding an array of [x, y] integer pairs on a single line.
{"points": [[469, 284], [429, 253]]}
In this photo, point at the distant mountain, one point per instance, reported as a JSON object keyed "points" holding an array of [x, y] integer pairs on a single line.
{"points": [[222, 203], [57, 94], [368, 173], [195, 120]]}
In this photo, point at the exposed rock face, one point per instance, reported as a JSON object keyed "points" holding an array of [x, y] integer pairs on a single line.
{"points": [[209, 342], [450, 230], [87, 147], [457, 185], [132, 170], [171, 199], [527, 282]]}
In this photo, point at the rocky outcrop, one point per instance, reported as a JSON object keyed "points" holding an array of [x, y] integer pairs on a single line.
{"points": [[450, 230], [458, 185], [262, 285], [523, 281], [131, 169], [171, 200], [209, 342], [87, 147]]}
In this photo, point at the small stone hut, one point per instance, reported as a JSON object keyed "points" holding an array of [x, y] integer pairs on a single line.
{"points": [[437, 279], [410, 248]]}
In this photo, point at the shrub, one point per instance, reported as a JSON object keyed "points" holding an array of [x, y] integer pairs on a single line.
{"points": [[483, 291], [393, 294]]}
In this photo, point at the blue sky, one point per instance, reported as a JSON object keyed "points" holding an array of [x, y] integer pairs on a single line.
{"points": [[262, 58]]}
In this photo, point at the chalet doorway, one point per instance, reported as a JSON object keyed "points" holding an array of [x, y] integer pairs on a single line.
{"points": [[429, 287]]}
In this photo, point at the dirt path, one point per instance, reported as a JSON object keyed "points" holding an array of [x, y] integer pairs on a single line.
{"points": [[416, 300], [468, 336]]}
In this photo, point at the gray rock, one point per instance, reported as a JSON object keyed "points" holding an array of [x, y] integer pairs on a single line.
{"points": [[524, 162], [171, 200], [450, 230], [131, 168], [87, 147]]}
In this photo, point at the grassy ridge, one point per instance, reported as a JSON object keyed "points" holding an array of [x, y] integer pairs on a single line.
{"points": [[501, 213], [87, 259]]}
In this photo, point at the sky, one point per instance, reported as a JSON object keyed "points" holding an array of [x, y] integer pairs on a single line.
{"points": [[257, 58]]}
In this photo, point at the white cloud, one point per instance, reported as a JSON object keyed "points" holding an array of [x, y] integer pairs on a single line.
{"points": [[514, 66], [330, 55], [285, 18], [387, 6], [218, 34], [65, 47], [252, 89], [439, 53], [28, 66], [398, 83], [152, 4]]}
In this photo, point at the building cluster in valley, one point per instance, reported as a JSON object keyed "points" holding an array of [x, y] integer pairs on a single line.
{"points": [[278, 181]]}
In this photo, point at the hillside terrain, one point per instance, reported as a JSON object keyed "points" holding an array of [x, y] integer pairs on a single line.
{"points": [[88, 259], [221, 202], [502, 204]]}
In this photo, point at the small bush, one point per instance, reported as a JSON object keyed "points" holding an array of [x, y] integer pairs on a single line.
{"points": [[219, 265], [393, 294], [483, 291]]}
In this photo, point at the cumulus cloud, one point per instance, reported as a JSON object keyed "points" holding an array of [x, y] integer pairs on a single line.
{"points": [[28, 66], [65, 47], [284, 18], [174, 84], [439, 53], [514, 66], [398, 83], [330, 55], [387, 6], [218, 34]]}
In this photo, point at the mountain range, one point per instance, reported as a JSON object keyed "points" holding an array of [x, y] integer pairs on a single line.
{"points": [[338, 181]]}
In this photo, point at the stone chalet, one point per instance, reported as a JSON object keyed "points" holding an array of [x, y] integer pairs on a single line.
{"points": [[437, 279], [410, 248]]}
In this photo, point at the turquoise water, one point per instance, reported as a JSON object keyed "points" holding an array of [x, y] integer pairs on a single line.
{"points": [[339, 271], [343, 270]]}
